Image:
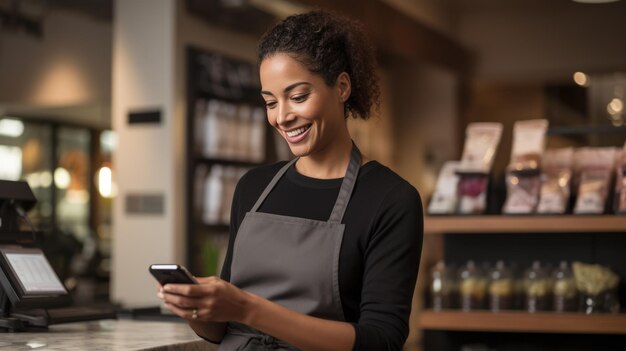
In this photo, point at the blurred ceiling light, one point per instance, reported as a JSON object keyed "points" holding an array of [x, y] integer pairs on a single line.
{"points": [[45, 179], [11, 127], [33, 180], [105, 182], [10, 162], [62, 178], [108, 141], [581, 79], [595, 1], [616, 106]]}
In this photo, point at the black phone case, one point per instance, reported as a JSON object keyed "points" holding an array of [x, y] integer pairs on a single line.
{"points": [[173, 276]]}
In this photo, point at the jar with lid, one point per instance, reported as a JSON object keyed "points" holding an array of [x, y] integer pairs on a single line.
{"points": [[565, 293], [472, 287], [537, 288], [500, 290], [442, 287]]}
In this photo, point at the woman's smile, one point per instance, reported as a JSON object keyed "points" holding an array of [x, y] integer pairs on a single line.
{"points": [[297, 135]]}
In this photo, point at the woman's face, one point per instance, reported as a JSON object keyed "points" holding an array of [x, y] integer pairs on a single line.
{"points": [[307, 112]]}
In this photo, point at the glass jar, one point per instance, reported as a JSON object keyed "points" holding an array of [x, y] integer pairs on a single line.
{"points": [[565, 293], [472, 287], [537, 288], [604, 302], [442, 287], [500, 289]]}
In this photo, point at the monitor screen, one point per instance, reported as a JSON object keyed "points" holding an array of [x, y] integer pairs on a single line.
{"points": [[33, 272], [28, 279]]}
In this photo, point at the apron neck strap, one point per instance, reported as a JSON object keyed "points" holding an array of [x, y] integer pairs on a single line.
{"points": [[347, 185], [271, 185]]}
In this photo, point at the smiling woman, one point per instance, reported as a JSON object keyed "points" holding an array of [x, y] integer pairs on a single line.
{"points": [[324, 250]]}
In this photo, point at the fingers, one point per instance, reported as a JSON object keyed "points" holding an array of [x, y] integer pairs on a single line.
{"points": [[180, 300], [183, 289], [184, 313]]}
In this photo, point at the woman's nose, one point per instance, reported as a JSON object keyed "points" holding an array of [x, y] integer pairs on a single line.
{"points": [[285, 115]]}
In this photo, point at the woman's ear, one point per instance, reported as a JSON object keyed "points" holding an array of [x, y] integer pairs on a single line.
{"points": [[344, 86]]}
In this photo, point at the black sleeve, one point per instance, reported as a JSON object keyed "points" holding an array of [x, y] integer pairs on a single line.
{"points": [[390, 272], [235, 221]]}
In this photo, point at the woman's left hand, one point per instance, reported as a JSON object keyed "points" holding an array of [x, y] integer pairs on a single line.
{"points": [[212, 300]]}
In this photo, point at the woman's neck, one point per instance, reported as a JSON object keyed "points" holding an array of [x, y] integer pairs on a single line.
{"points": [[329, 163]]}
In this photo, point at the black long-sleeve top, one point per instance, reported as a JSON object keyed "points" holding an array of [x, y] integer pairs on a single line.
{"points": [[381, 248]]}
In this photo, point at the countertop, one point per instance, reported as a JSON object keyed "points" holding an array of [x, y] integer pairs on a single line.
{"points": [[108, 335]]}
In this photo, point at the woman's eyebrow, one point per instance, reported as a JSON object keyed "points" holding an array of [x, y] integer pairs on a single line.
{"points": [[287, 89]]}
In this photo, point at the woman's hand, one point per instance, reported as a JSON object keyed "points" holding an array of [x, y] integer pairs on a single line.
{"points": [[212, 300]]}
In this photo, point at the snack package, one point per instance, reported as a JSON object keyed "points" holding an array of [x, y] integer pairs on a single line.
{"points": [[444, 199], [528, 146], [620, 183], [555, 181], [481, 143], [595, 168], [522, 193], [472, 193]]}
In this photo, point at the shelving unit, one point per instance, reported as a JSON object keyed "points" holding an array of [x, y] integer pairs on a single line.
{"points": [[521, 239], [523, 322], [524, 224], [213, 76]]}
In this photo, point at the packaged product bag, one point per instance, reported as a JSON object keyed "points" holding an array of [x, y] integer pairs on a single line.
{"points": [[556, 178], [523, 172], [444, 200], [594, 168], [481, 144]]}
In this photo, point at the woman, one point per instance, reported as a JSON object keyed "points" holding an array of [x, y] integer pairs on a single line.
{"points": [[324, 250]]}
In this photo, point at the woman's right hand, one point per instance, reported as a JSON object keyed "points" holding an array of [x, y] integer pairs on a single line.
{"points": [[212, 300]]}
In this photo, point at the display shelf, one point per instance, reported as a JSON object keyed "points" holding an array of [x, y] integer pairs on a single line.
{"points": [[525, 224], [524, 322]]}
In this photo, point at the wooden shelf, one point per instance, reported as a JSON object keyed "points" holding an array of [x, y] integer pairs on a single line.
{"points": [[523, 322], [524, 224]]}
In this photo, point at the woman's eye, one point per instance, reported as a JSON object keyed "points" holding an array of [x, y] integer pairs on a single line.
{"points": [[270, 104], [299, 98]]}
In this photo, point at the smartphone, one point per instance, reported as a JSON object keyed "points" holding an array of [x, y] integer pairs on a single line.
{"points": [[172, 274]]}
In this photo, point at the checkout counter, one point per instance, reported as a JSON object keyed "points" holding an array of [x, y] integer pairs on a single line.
{"points": [[108, 335]]}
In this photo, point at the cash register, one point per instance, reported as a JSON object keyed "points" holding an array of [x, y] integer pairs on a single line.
{"points": [[31, 294]]}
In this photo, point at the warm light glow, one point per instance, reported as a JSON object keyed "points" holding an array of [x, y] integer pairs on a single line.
{"points": [[62, 178], [11, 127], [33, 180], [581, 79], [105, 182], [10, 162], [108, 141], [616, 106], [45, 179], [63, 82]]}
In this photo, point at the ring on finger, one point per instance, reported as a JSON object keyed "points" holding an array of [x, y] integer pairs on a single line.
{"points": [[194, 313]]}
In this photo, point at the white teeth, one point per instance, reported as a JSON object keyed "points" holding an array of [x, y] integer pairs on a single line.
{"points": [[297, 132]]}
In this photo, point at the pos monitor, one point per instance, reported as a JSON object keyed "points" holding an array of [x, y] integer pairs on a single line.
{"points": [[26, 278]]}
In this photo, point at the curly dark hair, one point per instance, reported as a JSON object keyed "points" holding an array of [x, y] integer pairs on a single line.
{"points": [[329, 44]]}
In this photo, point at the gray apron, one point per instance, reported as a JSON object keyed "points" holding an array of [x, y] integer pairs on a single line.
{"points": [[290, 261]]}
